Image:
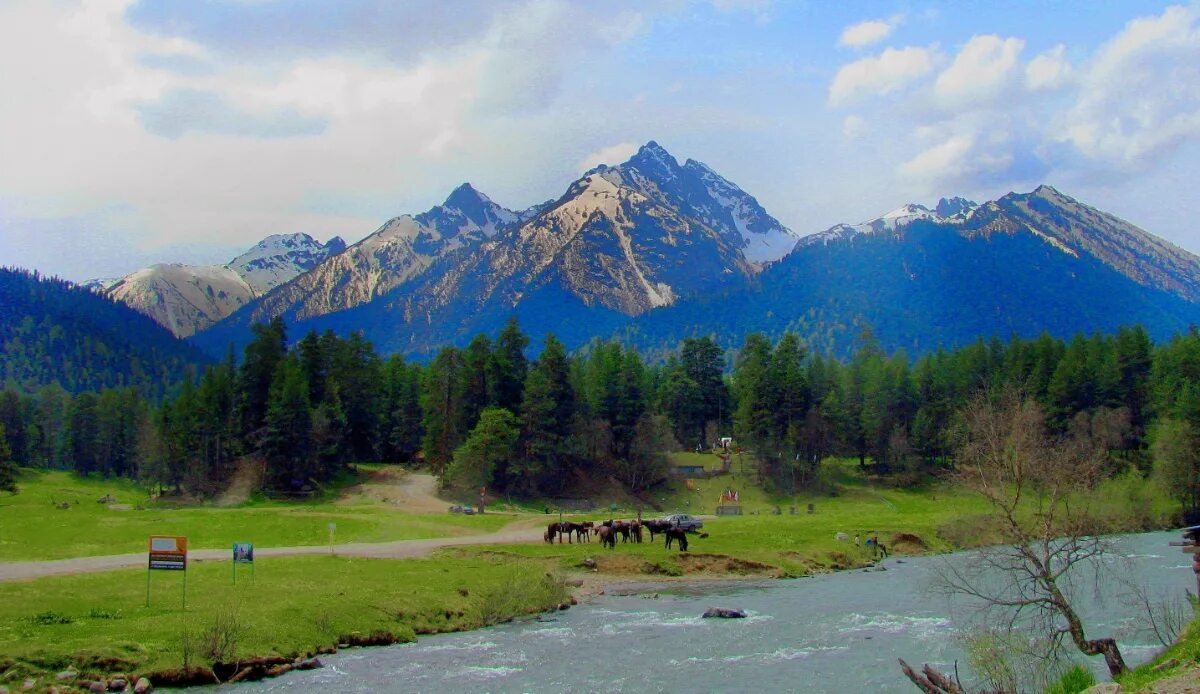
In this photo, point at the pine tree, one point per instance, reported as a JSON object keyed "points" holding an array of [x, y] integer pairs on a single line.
{"points": [[262, 357], [441, 404], [8, 467], [478, 380], [510, 366], [547, 418], [287, 438]]}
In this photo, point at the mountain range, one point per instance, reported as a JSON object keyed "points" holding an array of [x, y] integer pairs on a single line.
{"points": [[186, 299], [652, 250]]}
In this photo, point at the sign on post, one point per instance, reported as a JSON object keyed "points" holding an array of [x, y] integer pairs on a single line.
{"points": [[243, 553], [167, 553]]}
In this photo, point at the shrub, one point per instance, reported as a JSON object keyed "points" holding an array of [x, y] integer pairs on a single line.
{"points": [[1075, 680]]}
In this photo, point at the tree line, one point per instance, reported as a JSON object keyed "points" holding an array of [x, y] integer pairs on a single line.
{"points": [[489, 415]]}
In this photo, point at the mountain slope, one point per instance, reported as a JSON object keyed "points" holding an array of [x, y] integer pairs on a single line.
{"points": [[1023, 264], [399, 251], [52, 331], [187, 298], [622, 240]]}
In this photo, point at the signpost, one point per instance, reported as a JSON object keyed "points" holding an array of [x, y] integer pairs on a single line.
{"points": [[332, 530], [243, 553], [167, 553]]}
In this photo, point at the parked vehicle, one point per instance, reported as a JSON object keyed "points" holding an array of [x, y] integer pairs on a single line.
{"points": [[685, 522]]}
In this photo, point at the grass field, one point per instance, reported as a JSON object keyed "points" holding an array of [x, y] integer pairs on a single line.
{"points": [[99, 622], [32, 527], [937, 517]]}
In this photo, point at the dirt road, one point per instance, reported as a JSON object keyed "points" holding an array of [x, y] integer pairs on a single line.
{"points": [[522, 531]]}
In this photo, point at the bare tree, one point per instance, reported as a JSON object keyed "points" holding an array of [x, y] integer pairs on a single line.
{"points": [[1031, 481]]}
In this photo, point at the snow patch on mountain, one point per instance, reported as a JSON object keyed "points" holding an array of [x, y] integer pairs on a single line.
{"points": [[280, 257], [952, 211]]}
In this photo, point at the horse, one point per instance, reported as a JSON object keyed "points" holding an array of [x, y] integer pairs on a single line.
{"points": [[622, 528], [676, 534], [582, 531], [608, 537], [655, 527], [635, 530]]}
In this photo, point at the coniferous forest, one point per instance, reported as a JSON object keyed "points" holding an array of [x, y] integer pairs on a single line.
{"points": [[488, 415]]}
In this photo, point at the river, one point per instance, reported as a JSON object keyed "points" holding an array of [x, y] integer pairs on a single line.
{"points": [[834, 632]]}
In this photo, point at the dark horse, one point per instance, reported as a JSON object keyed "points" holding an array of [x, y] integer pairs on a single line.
{"points": [[676, 534], [655, 527]]}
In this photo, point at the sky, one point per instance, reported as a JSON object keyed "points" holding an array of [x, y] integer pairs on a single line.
{"points": [[141, 131]]}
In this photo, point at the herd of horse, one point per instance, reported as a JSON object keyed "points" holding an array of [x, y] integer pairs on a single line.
{"points": [[608, 531]]}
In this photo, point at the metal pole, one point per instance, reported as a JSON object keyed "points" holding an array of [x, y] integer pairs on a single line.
{"points": [[147, 586], [185, 586]]}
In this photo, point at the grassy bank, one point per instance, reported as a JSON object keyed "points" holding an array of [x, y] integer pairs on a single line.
{"points": [[1177, 669], [33, 525], [99, 622]]}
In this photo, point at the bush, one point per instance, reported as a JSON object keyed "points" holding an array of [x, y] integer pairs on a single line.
{"points": [[1075, 680], [525, 590], [50, 617], [219, 641]]}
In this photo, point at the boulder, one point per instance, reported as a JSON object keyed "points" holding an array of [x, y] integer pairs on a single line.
{"points": [[28, 684], [66, 675], [143, 686], [724, 613], [117, 684], [277, 670], [97, 688], [311, 664]]}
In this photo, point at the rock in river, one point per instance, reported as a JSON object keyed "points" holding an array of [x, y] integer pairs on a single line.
{"points": [[724, 613]]}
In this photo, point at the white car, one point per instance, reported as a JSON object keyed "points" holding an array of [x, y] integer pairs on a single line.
{"points": [[685, 522]]}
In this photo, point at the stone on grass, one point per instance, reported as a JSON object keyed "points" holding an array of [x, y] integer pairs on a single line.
{"points": [[117, 684], [97, 688], [66, 675], [724, 613], [143, 686], [28, 684]]}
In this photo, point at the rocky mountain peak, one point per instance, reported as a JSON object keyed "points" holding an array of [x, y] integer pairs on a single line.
{"points": [[948, 207]]}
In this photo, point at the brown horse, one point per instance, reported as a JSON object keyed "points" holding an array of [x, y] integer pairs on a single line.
{"points": [[677, 534], [655, 527], [635, 530], [608, 536]]}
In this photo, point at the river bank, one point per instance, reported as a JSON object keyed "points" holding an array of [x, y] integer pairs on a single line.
{"points": [[831, 632]]}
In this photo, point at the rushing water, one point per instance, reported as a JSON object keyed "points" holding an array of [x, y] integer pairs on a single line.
{"points": [[835, 632]]}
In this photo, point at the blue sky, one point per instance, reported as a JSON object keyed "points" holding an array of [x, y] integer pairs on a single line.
{"points": [[167, 131]]}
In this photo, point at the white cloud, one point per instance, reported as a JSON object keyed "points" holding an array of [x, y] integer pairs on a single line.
{"points": [[1139, 97], [613, 154], [867, 33], [957, 159], [889, 71], [946, 159], [980, 72], [1049, 70], [231, 149], [853, 126]]}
